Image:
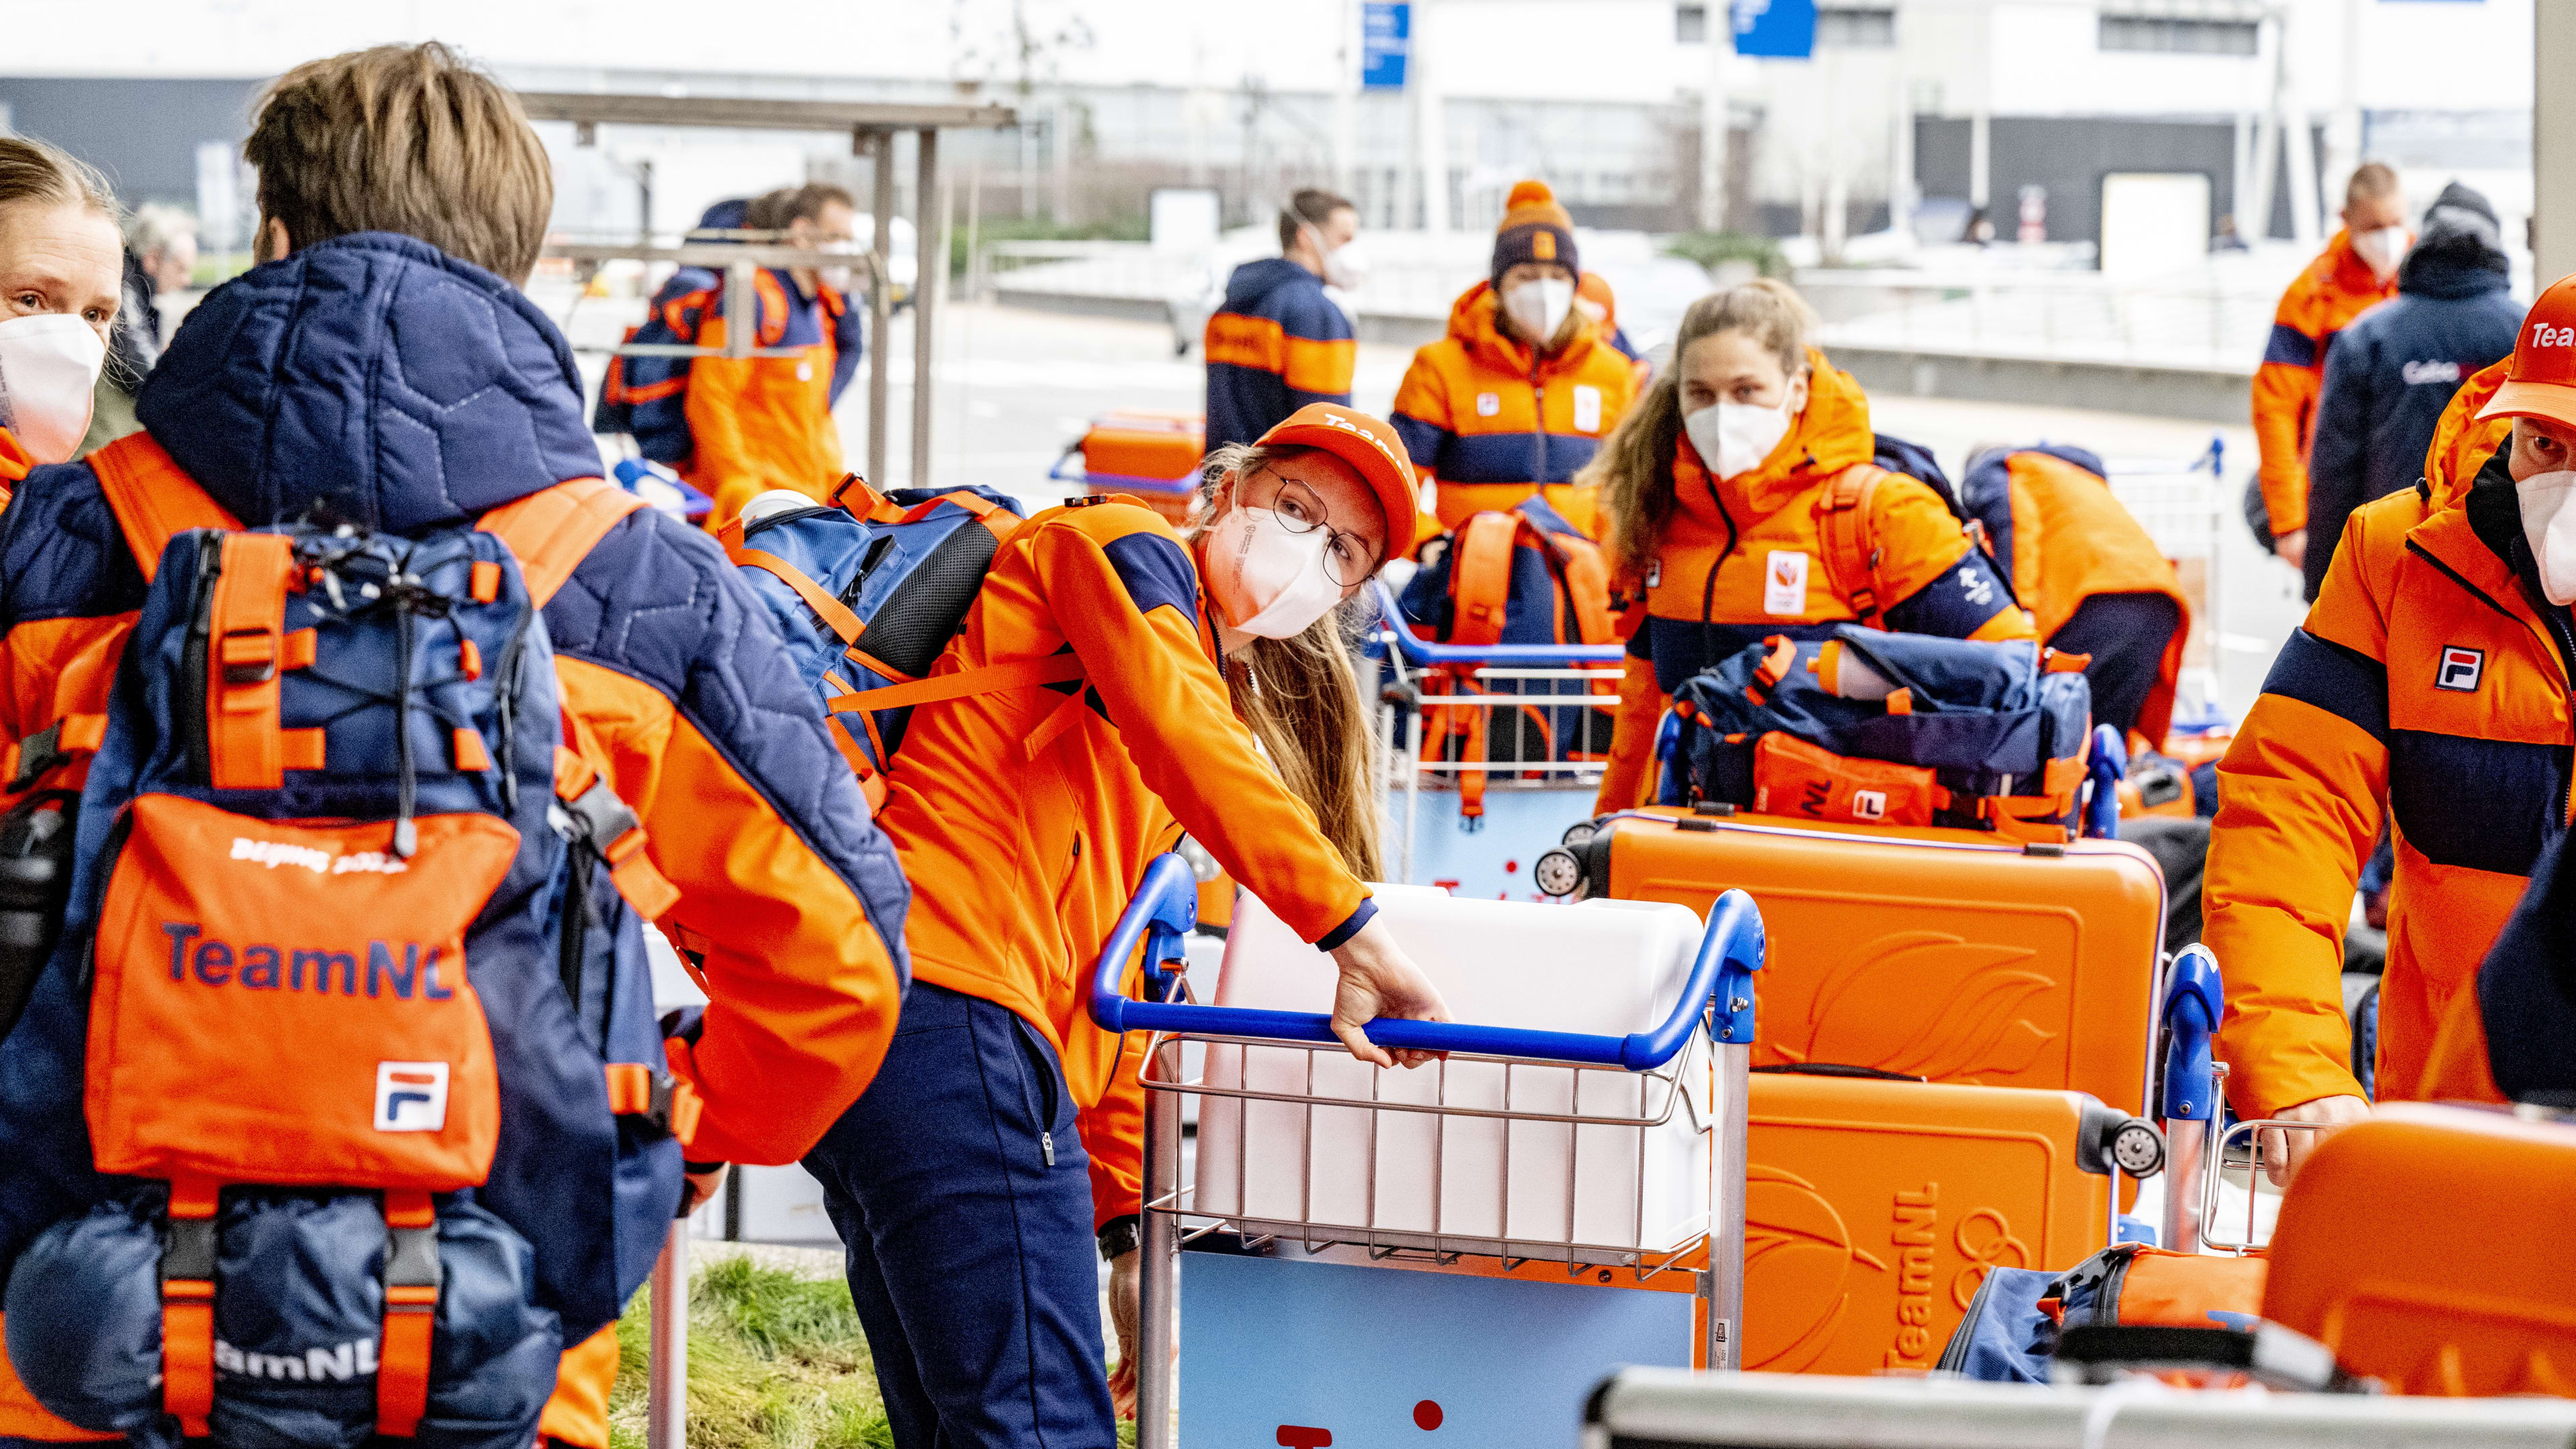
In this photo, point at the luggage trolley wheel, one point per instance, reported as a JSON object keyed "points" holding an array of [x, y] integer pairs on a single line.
{"points": [[1558, 872], [2138, 1147]]}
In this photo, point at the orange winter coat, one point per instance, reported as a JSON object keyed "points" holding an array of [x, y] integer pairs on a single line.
{"points": [[2423, 676], [1026, 817], [1493, 421], [1743, 558], [2337, 287]]}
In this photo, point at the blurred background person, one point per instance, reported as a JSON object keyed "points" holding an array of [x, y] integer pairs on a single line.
{"points": [[2389, 374], [160, 260], [1279, 341], [1517, 398], [2356, 271]]}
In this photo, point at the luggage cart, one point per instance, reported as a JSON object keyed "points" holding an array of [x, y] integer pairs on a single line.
{"points": [[1539, 690], [2185, 508], [2201, 1145], [1661, 1071]]}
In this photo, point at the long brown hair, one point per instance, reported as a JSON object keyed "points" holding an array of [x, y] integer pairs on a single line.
{"points": [[1635, 465], [1301, 696]]}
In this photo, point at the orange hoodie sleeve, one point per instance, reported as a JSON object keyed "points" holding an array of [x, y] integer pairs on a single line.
{"points": [[1630, 772], [2298, 810], [1940, 581], [2285, 407], [1144, 662]]}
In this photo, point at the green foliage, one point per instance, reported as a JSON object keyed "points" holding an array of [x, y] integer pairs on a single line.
{"points": [[1710, 248], [776, 1361], [995, 228]]}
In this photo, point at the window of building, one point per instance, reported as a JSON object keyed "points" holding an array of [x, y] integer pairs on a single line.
{"points": [[2182, 27], [1690, 24], [1856, 28]]}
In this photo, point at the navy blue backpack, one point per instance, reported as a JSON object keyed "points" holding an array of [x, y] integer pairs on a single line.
{"points": [[1989, 736]]}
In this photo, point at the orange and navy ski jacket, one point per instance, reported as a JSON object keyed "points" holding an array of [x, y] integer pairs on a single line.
{"points": [[1741, 559], [1026, 817], [1277, 344], [738, 426], [2337, 287], [2425, 675], [1491, 420], [2065, 539], [378, 378]]}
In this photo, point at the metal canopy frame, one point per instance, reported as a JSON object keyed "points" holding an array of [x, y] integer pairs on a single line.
{"points": [[872, 126]]}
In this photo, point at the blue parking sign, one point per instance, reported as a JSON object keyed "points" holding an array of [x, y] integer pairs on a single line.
{"points": [[1386, 32], [1777, 28]]}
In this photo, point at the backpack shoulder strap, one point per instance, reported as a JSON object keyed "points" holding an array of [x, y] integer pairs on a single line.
{"points": [[1851, 541], [1587, 584], [835, 614], [1480, 576], [553, 529], [153, 498]]}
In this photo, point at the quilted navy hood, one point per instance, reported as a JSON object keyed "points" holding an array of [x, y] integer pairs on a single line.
{"points": [[374, 373]]}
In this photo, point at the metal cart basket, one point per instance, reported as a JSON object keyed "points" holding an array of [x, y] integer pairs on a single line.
{"points": [[1579, 1107]]}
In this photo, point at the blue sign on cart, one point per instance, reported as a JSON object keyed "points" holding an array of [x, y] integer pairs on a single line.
{"points": [[1386, 33], [1781, 29], [1308, 1355]]}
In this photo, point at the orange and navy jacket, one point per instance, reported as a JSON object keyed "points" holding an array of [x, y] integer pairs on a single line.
{"points": [[1741, 559], [738, 426], [1026, 817], [379, 379], [2066, 539], [2425, 676], [2337, 287], [1277, 344], [1492, 420]]}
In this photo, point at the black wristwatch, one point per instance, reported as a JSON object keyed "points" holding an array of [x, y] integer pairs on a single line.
{"points": [[1120, 1237]]}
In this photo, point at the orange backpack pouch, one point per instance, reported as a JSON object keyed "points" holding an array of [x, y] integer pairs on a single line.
{"points": [[1795, 778], [297, 1001]]}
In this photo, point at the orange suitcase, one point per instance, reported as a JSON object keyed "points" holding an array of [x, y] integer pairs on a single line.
{"points": [[1931, 952], [1873, 1208], [2429, 1248], [1152, 455]]}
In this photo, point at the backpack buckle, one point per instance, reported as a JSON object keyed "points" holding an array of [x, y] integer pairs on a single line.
{"points": [[636, 1090], [249, 656]]}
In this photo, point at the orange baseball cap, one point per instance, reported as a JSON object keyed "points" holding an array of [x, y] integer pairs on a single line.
{"points": [[2542, 381], [1371, 447]]}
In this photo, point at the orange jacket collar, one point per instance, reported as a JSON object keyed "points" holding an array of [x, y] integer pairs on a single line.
{"points": [[1472, 322], [2351, 273], [1831, 434], [2462, 442]]}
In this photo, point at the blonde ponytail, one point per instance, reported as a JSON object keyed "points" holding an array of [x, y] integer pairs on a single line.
{"points": [[1634, 468]]}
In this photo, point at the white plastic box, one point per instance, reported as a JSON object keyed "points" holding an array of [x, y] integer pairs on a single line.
{"points": [[1473, 1183]]}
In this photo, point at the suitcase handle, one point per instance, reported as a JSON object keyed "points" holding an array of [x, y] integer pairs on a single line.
{"points": [[1838, 1069], [1165, 909], [1418, 650]]}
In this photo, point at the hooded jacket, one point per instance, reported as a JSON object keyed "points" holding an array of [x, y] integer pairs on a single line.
{"points": [[2391, 372], [1493, 421], [2061, 538], [737, 426], [2335, 288], [1741, 560], [1276, 345], [2431, 675], [378, 377], [1027, 816]]}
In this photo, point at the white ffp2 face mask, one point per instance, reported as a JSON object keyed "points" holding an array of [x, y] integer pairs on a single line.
{"points": [[1734, 438], [48, 366], [1269, 576], [2549, 526], [2383, 247], [1345, 266], [1538, 308]]}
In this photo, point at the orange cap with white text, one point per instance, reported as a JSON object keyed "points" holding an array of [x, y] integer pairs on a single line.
{"points": [[1372, 449], [2542, 380]]}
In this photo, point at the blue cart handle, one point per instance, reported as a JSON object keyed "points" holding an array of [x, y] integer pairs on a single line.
{"points": [[1418, 650], [2108, 767], [1166, 906], [2194, 1001]]}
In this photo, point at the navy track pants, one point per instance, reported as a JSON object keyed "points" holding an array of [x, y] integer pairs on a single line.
{"points": [[971, 1256]]}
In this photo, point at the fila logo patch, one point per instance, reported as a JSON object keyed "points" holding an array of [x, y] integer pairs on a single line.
{"points": [[2460, 669], [1784, 583], [411, 1096]]}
